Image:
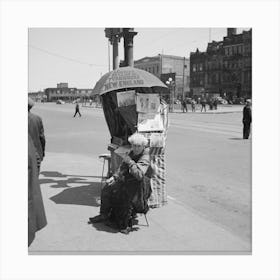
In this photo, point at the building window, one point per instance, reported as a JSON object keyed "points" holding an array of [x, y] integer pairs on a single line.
{"points": [[240, 49], [194, 68], [226, 51], [200, 67]]}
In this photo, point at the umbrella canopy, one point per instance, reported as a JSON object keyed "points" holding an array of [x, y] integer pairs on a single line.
{"points": [[126, 77]]}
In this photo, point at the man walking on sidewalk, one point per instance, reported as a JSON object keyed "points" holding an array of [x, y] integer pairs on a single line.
{"points": [[77, 110]]}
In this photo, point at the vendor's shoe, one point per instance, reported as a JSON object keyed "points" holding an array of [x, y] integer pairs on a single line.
{"points": [[98, 219]]}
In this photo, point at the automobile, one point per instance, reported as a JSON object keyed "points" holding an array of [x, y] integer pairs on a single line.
{"points": [[238, 100], [59, 101], [221, 100]]}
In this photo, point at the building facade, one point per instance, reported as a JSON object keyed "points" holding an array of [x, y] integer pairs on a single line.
{"points": [[225, 68], [161, 65], [61, 92]]}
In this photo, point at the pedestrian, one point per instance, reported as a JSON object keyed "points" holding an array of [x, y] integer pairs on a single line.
{"points": [[215, 103], [36, 131], [211, 104], [128, 190], [184, 106], [77, 110], [203, 105], [193, 105], [36, 211], [247, 119]]}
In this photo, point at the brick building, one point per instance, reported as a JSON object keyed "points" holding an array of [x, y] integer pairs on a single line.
{"points": [[225, 67], [161, 65]]}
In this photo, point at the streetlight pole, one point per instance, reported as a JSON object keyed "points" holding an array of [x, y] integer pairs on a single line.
{"points": [[171, 85], [183, 93]]}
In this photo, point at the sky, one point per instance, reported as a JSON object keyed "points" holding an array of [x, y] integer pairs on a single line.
{"points": [[79, 56]]}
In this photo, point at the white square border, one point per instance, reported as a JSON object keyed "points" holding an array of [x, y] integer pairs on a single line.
{"points": [[262, 16]]}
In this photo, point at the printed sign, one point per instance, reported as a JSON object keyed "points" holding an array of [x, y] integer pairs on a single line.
{"points": [[147, 103], [122, 80], [149, 122], [157, 140], [126, 98]]}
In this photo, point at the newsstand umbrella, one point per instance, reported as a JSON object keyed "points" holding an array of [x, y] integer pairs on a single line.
{"points": [[126, 77]]}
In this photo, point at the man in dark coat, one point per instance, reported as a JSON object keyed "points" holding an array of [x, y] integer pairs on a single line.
{"points": [[77, 110], [203, 105], [247, 119], [184, 106], [36, 131], [36, 211]]}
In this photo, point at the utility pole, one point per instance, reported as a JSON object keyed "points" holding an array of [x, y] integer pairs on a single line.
{"points": [[183, 93]]}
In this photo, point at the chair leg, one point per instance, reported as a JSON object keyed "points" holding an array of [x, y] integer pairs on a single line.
{"points": [[146, 219], [102, 171]]}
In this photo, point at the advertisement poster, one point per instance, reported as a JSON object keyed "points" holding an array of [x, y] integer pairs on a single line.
{"points": [[126, 98], [149, 122], [147, 103], [157, 140]]}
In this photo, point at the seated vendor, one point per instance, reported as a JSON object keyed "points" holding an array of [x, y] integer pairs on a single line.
{"points": [[128, 190]]}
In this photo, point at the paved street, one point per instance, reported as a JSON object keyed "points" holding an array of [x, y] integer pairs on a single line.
{"points": [[208, 185]]}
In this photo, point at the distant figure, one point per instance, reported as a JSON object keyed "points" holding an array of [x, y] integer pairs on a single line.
{"points": [[36, 211], [193, 105], [203, 105], [215, 104], [211, 104], [184, 106], [247, 119], [77, 110], [36, 131]]}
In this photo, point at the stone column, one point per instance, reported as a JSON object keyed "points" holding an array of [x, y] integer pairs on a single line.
{"points": [[128, 34], [115, 43]]}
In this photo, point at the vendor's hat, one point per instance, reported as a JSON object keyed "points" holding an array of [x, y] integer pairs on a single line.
{"points": [[30, 102]]}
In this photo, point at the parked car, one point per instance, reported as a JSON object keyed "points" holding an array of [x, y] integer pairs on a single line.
{"points": [[221, 100], [238, 100], [76, 101], [59, 101]]}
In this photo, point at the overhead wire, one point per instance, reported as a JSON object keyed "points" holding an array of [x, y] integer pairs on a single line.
{"points": [[65, 57]]}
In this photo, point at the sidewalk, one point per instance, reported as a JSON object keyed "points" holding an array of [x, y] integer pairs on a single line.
{"points": [[222, 109], [71, 182]]}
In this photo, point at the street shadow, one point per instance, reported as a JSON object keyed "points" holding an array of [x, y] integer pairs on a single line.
{"points": [[236, 138], [104, 227], [111, 227], [53, 175], [86, 195], [58, 174]]}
